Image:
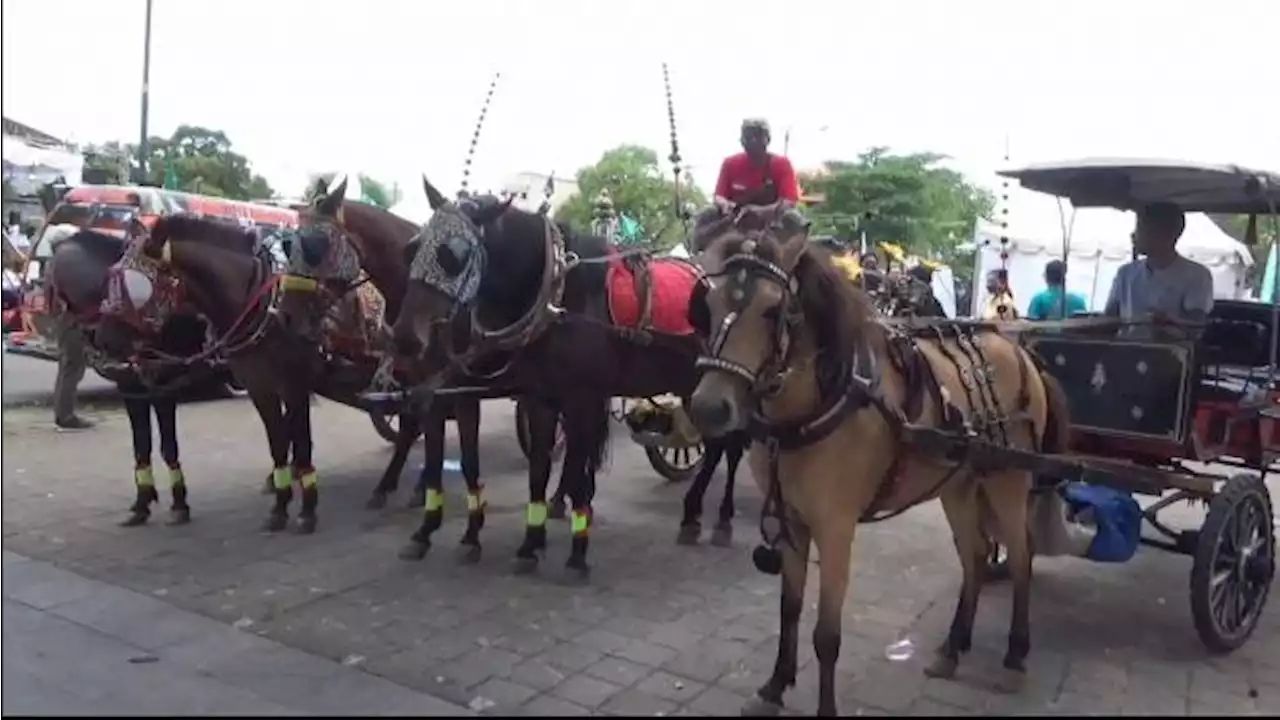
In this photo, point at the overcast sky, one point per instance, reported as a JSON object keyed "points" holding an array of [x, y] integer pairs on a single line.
{"points": [[393, 87]]}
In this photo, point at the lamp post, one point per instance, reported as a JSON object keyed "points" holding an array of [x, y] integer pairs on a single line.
{"points": [[144, 144]]}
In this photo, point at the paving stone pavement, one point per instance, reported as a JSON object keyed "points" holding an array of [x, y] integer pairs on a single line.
{"points": [[659, 629]]}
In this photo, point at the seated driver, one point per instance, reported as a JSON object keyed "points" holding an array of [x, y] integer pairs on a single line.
{"points": [[1164, 288], [756, 176]]}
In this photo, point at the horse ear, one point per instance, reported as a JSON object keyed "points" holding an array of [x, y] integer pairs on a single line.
{"points": [[434, 198], [793, 237], [331, 201]]}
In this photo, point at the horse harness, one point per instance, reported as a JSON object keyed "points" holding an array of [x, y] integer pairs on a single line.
{"points": [[849, 385]]}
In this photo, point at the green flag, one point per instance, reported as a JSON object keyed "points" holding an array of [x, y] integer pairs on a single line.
{"points": [[630, 230], [170, 177]]}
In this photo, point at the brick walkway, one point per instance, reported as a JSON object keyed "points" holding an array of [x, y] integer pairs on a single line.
{"points": [[659, 629]]}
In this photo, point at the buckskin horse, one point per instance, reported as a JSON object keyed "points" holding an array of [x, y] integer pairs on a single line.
{"points": [[568, 312], [833, 396], [345, 277], [78, 272]]}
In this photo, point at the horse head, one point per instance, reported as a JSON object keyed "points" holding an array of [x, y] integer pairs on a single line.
{"points": [[322, 263], [446, 262], [764, 285]]}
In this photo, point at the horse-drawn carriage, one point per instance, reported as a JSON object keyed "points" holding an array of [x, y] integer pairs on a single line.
{"points": [[1151, 417]]}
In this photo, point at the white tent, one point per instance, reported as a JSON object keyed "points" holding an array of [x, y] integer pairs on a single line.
{"points": [[1099, 243]]}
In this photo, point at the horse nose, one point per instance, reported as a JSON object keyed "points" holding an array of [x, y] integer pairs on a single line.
{"points": [[711, 413]]}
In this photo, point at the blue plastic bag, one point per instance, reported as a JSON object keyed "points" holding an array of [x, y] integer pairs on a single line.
{"points": [[1117, 516]]}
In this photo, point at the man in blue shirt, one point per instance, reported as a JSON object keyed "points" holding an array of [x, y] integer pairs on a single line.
{"points": [[1047, 304]]}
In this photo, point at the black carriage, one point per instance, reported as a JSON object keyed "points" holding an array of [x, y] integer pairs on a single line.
{"points": [[1178, 420]]}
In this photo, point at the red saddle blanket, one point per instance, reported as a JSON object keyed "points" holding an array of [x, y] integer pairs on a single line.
{"points": [[672, 283]]}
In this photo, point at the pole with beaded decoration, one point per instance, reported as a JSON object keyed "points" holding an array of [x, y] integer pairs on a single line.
{"points": [[475, 136], [675, 157]]}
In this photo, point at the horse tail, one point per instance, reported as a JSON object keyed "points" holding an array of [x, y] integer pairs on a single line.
{"points": [[1057, 429], [598, 453]]}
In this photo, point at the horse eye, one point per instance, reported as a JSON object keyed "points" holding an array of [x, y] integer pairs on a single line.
{"points": [[771, 314]]}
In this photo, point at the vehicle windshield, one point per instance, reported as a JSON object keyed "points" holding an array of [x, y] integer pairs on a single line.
{"points": [[96, 216]]}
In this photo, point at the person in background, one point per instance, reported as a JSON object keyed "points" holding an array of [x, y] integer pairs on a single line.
{"points": [[1000, 302], [929, 306], [1163, 288], [1048, 303], [72, 358], [756, 176]]}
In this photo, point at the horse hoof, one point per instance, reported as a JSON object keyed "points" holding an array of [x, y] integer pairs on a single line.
{"points": [[526, 565], [758, 707], [306, 525], [722, 536], [689, 534], [577, 573], [376, 501], [136, 518], [179, 516], [417, 500], [557, 511], [469, 554], [1011, 681], [942, 668], [275, 523], [414, 550]]}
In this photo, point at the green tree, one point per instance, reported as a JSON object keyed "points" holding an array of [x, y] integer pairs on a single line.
{"points": [[202, 160], [903, 199], [639, 188]]}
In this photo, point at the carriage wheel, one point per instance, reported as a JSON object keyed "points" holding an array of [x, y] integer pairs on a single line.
{"points": [[1234, 564], [676, 464], [388, 426], [522, 434]]}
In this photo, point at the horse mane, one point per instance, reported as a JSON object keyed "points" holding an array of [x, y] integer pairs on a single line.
{"points": [[837, 311], [99, 245], [201, 230], [526, 231]]}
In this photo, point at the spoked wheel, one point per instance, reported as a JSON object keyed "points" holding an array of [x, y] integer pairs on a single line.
{"points": [[388, 426], [1234, 564], [522, 433], [676, 464]]}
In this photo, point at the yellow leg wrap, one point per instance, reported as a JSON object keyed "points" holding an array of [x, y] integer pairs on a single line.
{"points": [[143, 477], [282, 478], [435, 500], [536, 514], [309, 479], [475, 502], [176, 477], [580, 520]]}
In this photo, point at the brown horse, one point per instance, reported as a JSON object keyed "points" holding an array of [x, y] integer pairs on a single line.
{"points": [[345, 279], [835, 397]]}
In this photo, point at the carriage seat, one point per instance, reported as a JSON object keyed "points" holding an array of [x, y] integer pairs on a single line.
{"points": [[1235, 351]]}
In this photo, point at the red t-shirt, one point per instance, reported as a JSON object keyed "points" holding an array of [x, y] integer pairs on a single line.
{"points": [[739, 176]]}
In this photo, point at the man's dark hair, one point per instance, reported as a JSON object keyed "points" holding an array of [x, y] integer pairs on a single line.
{"points": [[1055, 272], [1165, 217], [921, 273], [15, 217], [1000, 274]]}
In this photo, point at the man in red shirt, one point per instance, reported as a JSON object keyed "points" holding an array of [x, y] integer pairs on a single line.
{"points": [[756, 176]]}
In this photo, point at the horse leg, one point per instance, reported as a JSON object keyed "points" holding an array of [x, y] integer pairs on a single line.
{"points": [[466, 414], [431, 478], [722, 536], [166, 410], [138, 408], [433, 422], [835, 545], [960, 503], [273, 421], [410, 427], [589, 424], [542, 421], [795, 572], [1007, 498], [690, 524], [298, 410]]}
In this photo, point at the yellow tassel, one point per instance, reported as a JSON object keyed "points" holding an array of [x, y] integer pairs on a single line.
{"points": [[143, 477], [282, 478], [536, 514], [309, 479], [475, 502], [175, 477]]}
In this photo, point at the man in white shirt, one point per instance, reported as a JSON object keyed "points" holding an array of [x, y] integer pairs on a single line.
{"points": [[1164, 291]]}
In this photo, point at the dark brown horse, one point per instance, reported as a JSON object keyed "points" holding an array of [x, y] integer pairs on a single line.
{"points": [[77, 276], [539, 292], [345, 278], [841, 404]]}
